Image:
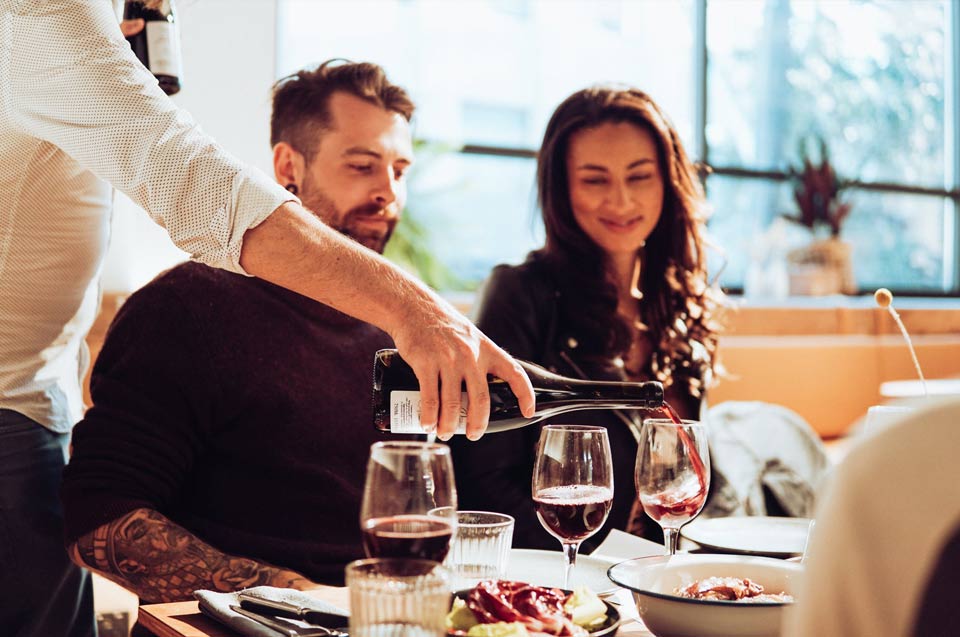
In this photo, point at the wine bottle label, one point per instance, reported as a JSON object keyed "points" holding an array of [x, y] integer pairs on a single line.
{"points": [[405, 413], [163, 48]]}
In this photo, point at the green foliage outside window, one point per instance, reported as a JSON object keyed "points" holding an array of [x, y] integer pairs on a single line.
{"points": [[409, 247]]}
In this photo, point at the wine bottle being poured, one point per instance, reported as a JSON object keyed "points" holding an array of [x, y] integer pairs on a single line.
{"points": [[884, 299], [396, 396]]}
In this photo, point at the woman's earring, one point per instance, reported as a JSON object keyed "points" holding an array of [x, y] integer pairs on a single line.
{"points": [[636, 283], [292, 188]]}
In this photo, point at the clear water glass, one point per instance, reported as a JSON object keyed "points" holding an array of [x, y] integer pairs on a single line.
{"points": [[481, 549], [398, 598]]}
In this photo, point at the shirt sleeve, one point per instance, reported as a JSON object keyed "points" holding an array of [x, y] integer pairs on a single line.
{"points": [[78, 86]]}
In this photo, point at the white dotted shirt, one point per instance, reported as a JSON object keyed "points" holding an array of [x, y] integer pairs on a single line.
{"points": [[78, 113]]}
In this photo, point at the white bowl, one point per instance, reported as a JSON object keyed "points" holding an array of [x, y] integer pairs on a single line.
{"points": [[653, 580]]}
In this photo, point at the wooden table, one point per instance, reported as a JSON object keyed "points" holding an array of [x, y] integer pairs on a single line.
{"points": [[184, 619], [179, 619]]}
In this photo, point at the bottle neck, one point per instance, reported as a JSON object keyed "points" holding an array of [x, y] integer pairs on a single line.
{"points": [[547, 385], [595, 394]]}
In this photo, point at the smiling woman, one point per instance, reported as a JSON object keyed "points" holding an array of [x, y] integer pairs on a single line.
{"points": [[624, 217], [619, 292], [616, 192]]}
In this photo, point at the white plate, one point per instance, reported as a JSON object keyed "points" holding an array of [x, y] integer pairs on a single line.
{"points": [[766, 536], [545, 568]]}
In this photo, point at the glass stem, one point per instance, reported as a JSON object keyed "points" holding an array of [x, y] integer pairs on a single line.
{"points": [[570, 556], [670, 540]]}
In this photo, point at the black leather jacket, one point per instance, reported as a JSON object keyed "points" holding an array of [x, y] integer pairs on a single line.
{"points": [[519, 311]]}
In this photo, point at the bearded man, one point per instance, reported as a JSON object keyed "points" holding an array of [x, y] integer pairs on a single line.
{"points": [[231, 418]]}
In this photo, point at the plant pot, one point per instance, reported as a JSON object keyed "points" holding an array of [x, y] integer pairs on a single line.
{"points": [[821, 268]]}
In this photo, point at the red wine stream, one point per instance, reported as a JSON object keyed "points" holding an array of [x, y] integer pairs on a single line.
{"points": [[695, 458]]}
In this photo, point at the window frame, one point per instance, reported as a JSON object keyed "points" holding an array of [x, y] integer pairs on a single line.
{"points": [[950, 194]]}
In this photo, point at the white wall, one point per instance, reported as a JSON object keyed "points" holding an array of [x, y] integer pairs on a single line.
{"points": [[228, 49]]}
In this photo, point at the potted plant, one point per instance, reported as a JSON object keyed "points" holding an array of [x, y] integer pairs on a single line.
{"points": [[409, 247], [823, 266]]}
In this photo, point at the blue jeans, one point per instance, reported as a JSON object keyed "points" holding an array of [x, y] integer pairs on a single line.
{"points": [[42, 593]]}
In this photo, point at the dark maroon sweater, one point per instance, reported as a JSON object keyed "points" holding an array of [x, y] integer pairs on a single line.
{"points": [[239, 410]]}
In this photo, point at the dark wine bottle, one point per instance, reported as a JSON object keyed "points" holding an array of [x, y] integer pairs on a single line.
{"points": [[396, 396], [158, 45]]}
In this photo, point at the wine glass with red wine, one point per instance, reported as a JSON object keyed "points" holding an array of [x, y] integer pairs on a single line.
{"points": [[409, 507], [572, 485], [672, 473]]}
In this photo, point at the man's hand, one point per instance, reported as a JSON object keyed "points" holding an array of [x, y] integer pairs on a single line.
{"points": [[132, 27], [294, 249], [445, 349]]}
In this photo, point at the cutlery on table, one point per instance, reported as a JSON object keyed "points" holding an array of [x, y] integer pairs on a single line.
{"points": [[277, 608], [286, 628]]}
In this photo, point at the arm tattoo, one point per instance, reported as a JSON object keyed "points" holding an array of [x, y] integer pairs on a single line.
{"points": [[163, 562]]}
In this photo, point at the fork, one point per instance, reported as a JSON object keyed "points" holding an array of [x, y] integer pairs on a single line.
{"points": [[286, 628]]}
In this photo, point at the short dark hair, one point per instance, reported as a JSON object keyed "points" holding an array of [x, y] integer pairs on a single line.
{"points": [[301, 100]]}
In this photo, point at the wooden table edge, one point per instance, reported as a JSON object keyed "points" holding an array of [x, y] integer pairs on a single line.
{"points": [[161, 619]]}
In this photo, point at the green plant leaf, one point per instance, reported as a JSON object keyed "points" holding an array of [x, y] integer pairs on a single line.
{"points": [[409, 247]]}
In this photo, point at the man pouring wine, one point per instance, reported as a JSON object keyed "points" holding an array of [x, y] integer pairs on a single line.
{"points": [[80, 116], [230, 424]]}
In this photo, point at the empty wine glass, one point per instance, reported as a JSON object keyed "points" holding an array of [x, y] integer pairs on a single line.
{"points": [[672, 474], [572, 485], [409, 507]]}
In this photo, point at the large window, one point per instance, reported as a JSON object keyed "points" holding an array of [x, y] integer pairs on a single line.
{"points": [[744, 81], [869, 79]]}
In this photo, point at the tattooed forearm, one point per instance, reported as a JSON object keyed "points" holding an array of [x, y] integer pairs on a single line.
{"points": [[163, 562]]}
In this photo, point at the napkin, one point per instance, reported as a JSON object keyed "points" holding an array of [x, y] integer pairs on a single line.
{"points": [[620, 546], [217, 606]]}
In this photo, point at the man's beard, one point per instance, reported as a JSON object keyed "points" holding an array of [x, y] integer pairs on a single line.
{"points": [[348, 223]]}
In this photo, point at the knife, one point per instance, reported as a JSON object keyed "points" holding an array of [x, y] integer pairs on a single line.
{"points": [[284, 627], [277, 608]]}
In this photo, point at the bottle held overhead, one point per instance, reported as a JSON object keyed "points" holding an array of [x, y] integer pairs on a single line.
{"points": [[396, 396], [157, 45]]}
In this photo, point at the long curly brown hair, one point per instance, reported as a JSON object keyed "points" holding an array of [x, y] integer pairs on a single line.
{"points": [[679, 306]]}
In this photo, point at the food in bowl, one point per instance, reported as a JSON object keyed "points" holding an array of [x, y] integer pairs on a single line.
{"points": [[517, 609], [653, 582], [730, 589]]}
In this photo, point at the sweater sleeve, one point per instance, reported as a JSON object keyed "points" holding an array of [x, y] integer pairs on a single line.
{"points": [[495, 472], [153, 405], [76, 84]]}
